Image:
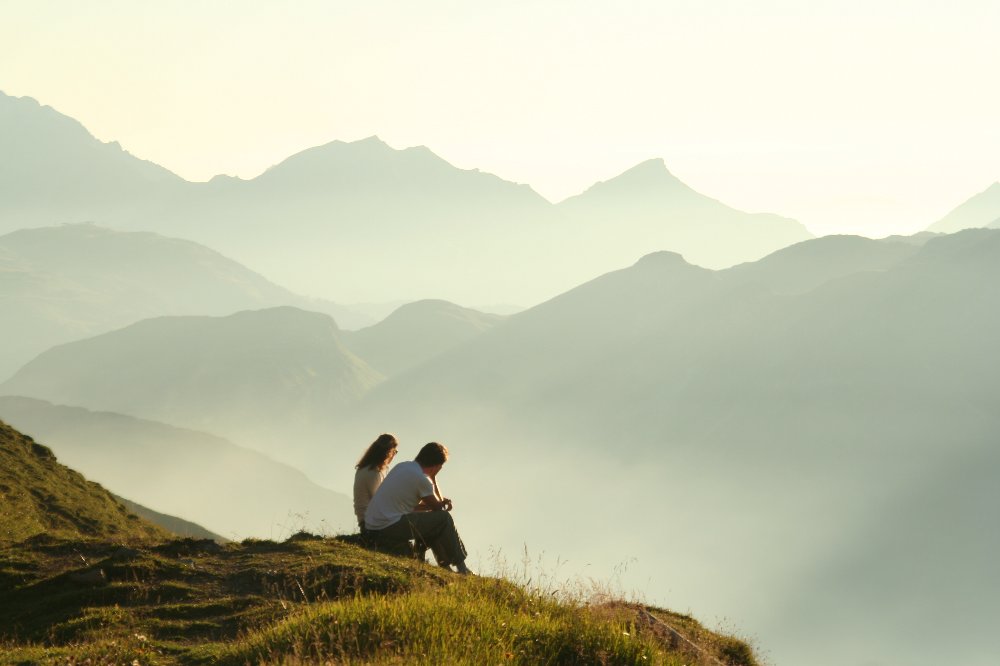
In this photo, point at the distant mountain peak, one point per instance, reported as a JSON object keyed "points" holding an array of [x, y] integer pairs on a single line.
{"points": [[371, 165], [345, 158], [430, 309], [650, 178], [282, 315], [652, 165], [425, 304], [662, 257], [979, 211], [28, 102], [651, 172], [371, 140], [371, 144]]}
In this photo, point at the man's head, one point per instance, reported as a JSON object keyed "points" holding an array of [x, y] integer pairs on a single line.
{"points": [[432, 455]]}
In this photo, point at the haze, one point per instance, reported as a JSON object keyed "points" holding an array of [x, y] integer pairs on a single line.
{"points": [[609, 232], [872, 117]]}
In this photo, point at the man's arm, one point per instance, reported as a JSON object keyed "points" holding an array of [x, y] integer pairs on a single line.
{"points": [[432, 503], [437, 493]]}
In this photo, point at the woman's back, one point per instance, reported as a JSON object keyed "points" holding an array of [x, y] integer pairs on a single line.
{"points": [[366, 482]]}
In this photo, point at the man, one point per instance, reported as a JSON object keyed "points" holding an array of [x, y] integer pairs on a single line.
{"points": [[407, 506]]}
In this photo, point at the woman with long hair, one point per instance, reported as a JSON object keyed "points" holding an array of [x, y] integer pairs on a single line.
{"points": [[371, 469]]}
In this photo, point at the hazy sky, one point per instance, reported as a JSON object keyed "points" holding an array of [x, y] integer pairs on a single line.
{"points": [[872, 117]]}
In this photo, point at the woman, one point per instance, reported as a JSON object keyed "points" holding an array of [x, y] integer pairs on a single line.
{"points": [[371, 469]]}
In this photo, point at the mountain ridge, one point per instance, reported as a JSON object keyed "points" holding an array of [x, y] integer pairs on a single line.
{"points": [[267, 379], [646, 175], [72, 281], [319, 223], [415, 332], [58, 123], [980, 210]]}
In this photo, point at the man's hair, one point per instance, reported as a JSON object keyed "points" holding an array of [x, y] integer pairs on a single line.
{"points": [[432, 454]]}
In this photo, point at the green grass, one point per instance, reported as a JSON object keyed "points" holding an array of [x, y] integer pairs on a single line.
{"points": [[471, 621], [39, 496], [310, 600]]}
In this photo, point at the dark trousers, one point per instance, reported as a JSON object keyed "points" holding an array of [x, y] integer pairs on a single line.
{"points": [[434, 529]]}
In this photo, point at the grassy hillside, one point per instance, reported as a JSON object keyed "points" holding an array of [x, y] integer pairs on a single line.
{"points": [[82, 581], [311, 600], [42, 498]]}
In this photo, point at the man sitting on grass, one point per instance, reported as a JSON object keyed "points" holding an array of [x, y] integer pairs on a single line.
{"points": [[406, 506]]}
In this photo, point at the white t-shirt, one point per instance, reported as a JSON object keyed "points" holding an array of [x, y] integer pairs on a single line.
{"points": [[400, 492]]}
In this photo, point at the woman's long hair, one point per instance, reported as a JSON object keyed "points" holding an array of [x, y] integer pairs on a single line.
{"points": [[379, 453]]}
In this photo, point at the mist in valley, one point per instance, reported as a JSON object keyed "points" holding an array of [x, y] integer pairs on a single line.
{"points": [[783, 447], [784, 463], [646, 387]]}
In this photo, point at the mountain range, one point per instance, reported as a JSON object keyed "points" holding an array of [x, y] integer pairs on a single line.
{"points": [[797, 440], [59, 284], [276, 380], [268, 379], [364, 222]]}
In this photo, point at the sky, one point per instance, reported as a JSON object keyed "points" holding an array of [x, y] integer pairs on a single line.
{"points": [[871, 117]]}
